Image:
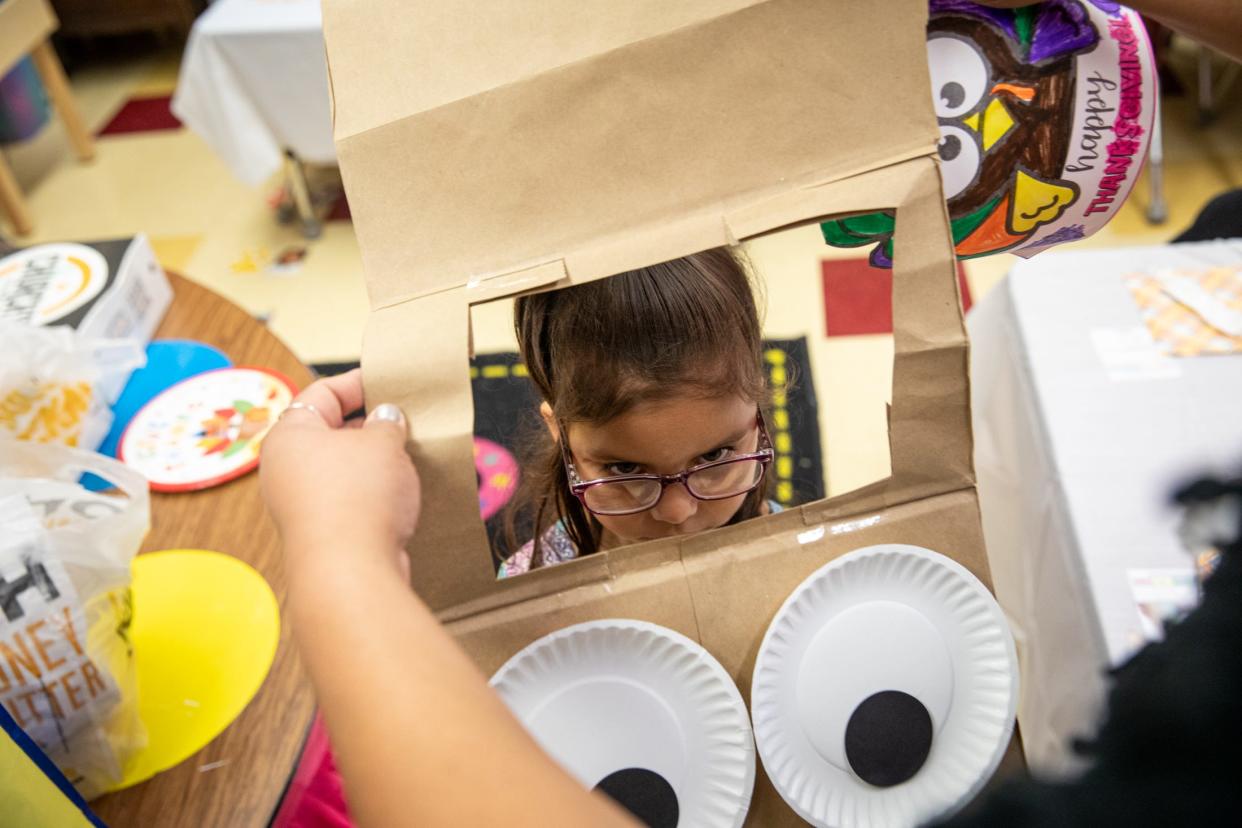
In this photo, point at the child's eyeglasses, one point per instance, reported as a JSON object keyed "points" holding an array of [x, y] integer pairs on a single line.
{"points": [[629, 494]]}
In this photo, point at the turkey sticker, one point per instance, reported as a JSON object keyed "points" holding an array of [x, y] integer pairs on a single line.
{"points": [[45, 284], [1045, 114]]}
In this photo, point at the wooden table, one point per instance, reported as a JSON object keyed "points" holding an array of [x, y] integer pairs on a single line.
{"points": [[250, 763]]}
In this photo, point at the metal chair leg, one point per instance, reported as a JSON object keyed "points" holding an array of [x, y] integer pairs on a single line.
{"points": [[1207, 112], [295, 175], [1157, 207]]}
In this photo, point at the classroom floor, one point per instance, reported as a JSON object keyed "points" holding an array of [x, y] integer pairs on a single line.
{"points": [[205, 225]]}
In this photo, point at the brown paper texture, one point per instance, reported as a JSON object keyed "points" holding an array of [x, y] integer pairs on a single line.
{"points": [[527, 131], [493, 151]]}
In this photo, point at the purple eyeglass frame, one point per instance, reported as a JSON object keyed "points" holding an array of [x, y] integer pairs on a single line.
{"points": [[579, 487]]}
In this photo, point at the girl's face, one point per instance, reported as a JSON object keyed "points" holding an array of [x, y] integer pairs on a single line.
{"points": [[664, 437]]}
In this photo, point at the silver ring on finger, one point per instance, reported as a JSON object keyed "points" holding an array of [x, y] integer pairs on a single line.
{"points": [[304, 406]]}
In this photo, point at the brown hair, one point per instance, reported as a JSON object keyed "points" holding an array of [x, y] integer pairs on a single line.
{"points": [[689, 326]]}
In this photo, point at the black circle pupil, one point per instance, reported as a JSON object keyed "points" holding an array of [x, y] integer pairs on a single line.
{"points": [[950, 147], [888, 738], [645, 794], [953, 94]]}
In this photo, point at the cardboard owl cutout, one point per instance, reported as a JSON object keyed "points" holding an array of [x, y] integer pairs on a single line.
{"points": [[1045, 115]]}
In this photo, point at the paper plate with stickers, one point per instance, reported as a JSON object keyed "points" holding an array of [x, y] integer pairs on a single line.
{"points": [[1045, 117], [885, 689], [642, 713], [205, 430]]}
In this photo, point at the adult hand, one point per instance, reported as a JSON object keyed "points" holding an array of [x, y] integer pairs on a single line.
{"points": [[346, 498], [334, 487]]}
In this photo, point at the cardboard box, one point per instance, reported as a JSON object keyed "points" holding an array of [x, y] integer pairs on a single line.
{"points": [[103, 290], [611, 136]]}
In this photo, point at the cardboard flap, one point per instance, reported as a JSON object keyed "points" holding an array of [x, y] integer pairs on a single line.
{"points": [[517, 147], [416, 355], [476, 140]]}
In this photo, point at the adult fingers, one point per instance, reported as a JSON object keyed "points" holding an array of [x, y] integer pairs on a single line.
{"points": [[333, 399], [388, 419]]}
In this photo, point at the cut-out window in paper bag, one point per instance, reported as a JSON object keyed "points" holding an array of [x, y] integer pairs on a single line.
{"points": [[497, 150]]}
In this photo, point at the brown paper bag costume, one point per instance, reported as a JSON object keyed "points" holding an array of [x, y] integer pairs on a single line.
{"points": [[507, 147]]}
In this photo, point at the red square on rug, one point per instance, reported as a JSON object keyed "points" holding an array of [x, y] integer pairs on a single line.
{"points": [[858, 297], [142, 115]]}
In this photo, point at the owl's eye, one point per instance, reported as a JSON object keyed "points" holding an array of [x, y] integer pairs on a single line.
{"points": [[641, 713], [872, 685], [959, 159], [959, 75]]}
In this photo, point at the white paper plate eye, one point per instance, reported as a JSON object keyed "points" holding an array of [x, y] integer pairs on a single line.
{"points": [[884, 691], [874, 684], [641, 713]]}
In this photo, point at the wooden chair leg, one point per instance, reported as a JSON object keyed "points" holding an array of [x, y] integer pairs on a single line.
{"points": [[57, 86], [12, 201]]}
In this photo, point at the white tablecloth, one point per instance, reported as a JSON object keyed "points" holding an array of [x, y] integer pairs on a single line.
{"points": [[254, 82], [1082, 431]]}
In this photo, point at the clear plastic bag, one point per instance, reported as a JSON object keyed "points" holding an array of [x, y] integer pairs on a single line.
{"points": [[67, 672], [55, 387]]}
